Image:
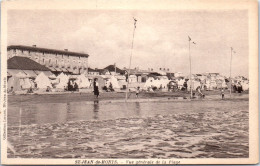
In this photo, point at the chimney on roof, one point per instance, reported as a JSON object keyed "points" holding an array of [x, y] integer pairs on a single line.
{"points": [[66, 49], [34, 45]]}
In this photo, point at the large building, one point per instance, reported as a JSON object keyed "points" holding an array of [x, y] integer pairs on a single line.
{"points": [[56, 60]]}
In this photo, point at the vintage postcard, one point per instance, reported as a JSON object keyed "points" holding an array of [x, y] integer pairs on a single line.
{"points": [[118, 82]]}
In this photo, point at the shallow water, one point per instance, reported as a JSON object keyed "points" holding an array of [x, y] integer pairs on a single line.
{"points": [[181, 129]]}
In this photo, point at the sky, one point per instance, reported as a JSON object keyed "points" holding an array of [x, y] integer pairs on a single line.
{"points": [[160, 38]]}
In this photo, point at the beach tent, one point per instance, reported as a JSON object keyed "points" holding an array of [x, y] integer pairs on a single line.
{"points": [[19, 81], [15, 83], [24, 80], [245, 85], [180, 83], [195, 84], [114, 82], [224, 84], [219, 83], [149, 82], [63, 81], [83, 81], [42, 81], [165, 81], [101, 80]]}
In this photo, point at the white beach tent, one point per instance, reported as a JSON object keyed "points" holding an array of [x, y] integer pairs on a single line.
{"points": [[180, 83], [24, 80], [114, 82], [83, 81], [42, 81], [164, 81], [195, 84], [19, 81], [63, 81], [245, 85], [149, 82]]}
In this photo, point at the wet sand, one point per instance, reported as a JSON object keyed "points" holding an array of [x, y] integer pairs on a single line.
{"points": [[214, 132]]}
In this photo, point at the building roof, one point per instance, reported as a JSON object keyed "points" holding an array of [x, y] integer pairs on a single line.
{"points": [[23, 63], [111, 68], [92, 70], [46, 50]]}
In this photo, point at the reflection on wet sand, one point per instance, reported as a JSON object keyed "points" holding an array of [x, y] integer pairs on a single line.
{"points": [[74, 111], [95, 109]]}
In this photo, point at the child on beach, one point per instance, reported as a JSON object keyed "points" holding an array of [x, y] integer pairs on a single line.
{"points": [[222, 93]]}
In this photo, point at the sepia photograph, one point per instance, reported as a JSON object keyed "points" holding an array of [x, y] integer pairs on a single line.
{"points": [[104, 83]]}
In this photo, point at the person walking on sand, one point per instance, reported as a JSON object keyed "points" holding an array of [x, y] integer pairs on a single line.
{"points": [[137, 92], [95, 85], [222, 94]]}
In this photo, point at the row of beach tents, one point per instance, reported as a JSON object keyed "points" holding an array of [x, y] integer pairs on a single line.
{"points": [[19, 81]]}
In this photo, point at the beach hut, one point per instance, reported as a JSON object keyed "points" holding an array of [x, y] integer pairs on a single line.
{"points": [[132, 78], [42, 81], [120, 78]]}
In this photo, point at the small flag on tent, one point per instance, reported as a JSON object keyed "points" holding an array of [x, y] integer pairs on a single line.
{"points": [[189, 38]]}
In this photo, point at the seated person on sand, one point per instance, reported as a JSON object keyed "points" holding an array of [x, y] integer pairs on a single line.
{"points": [[30, 90], [111, 87], [11, 91], [105, 88], [48, 89]]}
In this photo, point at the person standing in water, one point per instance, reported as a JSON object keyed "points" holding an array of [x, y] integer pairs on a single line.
{"points": [[95, 85]]}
